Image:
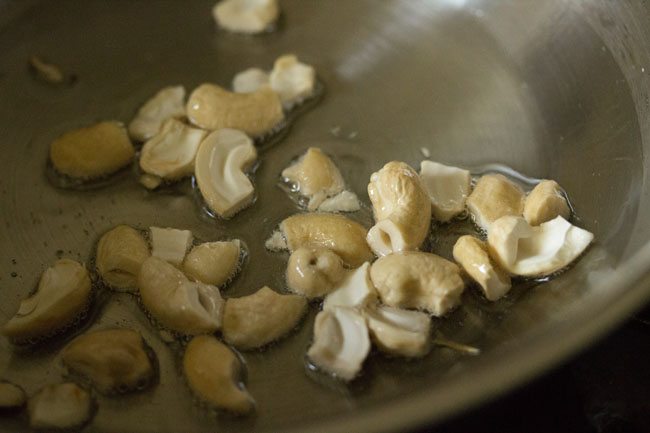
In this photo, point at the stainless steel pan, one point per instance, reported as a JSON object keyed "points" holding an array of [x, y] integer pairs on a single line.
{"points": [[555, 88]]}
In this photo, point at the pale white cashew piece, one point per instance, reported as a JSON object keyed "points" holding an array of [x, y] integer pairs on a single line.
{"points": [[181, 305], [250, 80], [314, 272], [399, 332], [213, 373], [213, 263], [113, 360], [418, 280], [63, 293], [61, 406], [92, 152], [341, 342], [170, 244], [316, 176], [276, 242], [494, 196], [256, 320], [355, 290], [12, 397], [545, 202], [120, 253], [150, 181], [536, 251], [221, 162], [170, 153], [257, 113], [246, 16], [167, 103], [472, 255], [402, 209], [293, 80], [345, 237], [345, 201], [447, 187]]}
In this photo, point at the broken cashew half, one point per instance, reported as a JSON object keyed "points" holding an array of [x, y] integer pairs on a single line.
{"points": [[221, 162], [494, 196], [545, 202], [246, 16], [399, 332], [167, 103], [355, 290], [257, 113], [256, 320], [120, 253], [60, 407], [213, 263], [313, 271], [472, 255], [402, 209], [447, 187]]}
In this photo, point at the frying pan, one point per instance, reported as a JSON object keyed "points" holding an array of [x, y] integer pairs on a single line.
{"points": [[553, 89]]}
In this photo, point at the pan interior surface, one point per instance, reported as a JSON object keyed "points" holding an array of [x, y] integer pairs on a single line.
{"points": [[551, 89]]}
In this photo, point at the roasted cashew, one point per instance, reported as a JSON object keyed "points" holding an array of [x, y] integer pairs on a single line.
{"points": [[399, 332], [313, 271], [59, 407], [447, 187], [213, 263], [355, 290], [120, 253], [494, 196], [167, 103], [12, 397], [545, 202], [246, 16], [170, 244]]}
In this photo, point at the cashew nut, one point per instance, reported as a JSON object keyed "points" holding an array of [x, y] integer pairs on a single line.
{"points": [[150, 181], [355, 291], [58, 407], [536, 251], [213, 373], [246, 16], [345, 201], [341, 342], [179, 304], [402, 209], [221, 161], [399, 332], [48, 72], [256, 320], [170, 244], [114, 360], [213, 263], [276, 242], [417, 280], [12, 397], [256, 113], [313, 271], [168, 103], [250, 80], [92, 152], [345, 237], [170, 153], [120, 253], [63, 294], [292, 80], [447, 187], [315, 176], [472, 254], [494, 196], [545, 202]]}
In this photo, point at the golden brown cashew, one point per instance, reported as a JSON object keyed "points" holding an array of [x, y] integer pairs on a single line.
{"points": [[213, 262], [494, 196], [314, 272], [59, 407], [120, 253], [545, 202]]}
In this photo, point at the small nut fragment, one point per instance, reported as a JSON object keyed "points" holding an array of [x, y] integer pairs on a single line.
{"points": [[276, 242], [246, 16], [494, 196], [221, 162], [93, 151], [48, 72], [213, 373], [256, 320], [120, 253], [63, 294], [399, 332], [417, 280], [250, 80], [293, 80], [472, 254], [313, 271], [12, 397], [341, 342], [355, 291], [213, 262], [536, 251], [170, 153], [170, 244], [257, 113], [167, 103], [447, 187], [150, 181], [181, 305], [402, 209], [345, 201], [315, 176], [336, 232], [114, 360], [61, 406], [545, 202]]}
